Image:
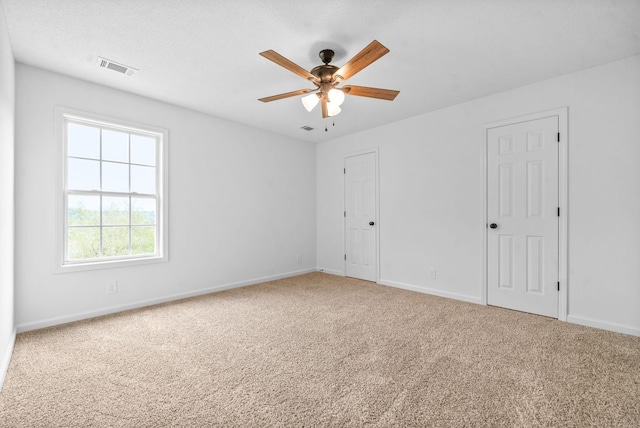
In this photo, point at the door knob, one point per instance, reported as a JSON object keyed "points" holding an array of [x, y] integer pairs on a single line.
{"points": [[493, 226], [371, 223]]}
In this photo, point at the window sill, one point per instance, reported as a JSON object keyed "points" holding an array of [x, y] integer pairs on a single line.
{"points": [[106, 264]]}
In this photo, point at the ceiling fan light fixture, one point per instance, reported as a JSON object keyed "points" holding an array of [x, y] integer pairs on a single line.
{"points": [[336, 96], [333, 109], [310, 101]]}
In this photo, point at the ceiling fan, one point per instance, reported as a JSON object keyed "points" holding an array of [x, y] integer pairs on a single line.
{"points": [[327, 77]]}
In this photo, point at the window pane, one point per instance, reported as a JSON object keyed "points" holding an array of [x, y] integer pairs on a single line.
{"points": [[83, 174], [84, 141], [115, 177], [143, 240], [83, 210], [143, 179], [115, 210], [83, 242], [115, 241], [115, 146], [143, 150], [143, 211]]}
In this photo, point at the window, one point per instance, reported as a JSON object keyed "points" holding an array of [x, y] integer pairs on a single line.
{"points": [[113, 204]]}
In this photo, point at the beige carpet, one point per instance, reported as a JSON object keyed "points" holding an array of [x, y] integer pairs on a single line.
{"points": [[319, 350]]}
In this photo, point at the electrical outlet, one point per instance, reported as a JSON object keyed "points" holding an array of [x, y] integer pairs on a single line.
{"points": [[112, 287], [432, 273], [298, 258]]}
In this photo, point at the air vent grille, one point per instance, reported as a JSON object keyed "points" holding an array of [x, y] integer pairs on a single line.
{"points": [[120, 68], [306, 128]]}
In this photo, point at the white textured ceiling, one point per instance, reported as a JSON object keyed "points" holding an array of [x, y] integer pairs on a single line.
{"points": [[203, 54]]}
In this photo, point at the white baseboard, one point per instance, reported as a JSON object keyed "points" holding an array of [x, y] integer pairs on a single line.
{"points": [[604, 325], [426, 290], [330, 271], [6, 358], [49, 322]]}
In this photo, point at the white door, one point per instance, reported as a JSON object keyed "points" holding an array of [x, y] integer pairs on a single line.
{"points": [[360, 217], [522, 213]]}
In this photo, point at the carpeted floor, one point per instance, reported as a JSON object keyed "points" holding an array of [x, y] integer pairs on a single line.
{"points": [[320, 350]]}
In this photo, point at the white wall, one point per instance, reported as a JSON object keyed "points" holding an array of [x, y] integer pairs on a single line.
{"points": [[259, 206], [242, 204], [7, 110], [431, 193]]}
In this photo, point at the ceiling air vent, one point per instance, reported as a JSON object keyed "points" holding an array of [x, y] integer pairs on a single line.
{"points": [[120, 68], [306, 128]]}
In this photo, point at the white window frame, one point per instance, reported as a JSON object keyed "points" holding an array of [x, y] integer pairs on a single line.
{"points": [[62, 116]]}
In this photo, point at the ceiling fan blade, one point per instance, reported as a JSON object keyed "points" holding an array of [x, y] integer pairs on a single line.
{"points": [[363, 91], [285, 95], [325, 111], [289, 65], [366, 56]]}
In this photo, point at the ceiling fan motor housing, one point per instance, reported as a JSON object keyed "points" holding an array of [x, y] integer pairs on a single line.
{"points": [[324, 72]]}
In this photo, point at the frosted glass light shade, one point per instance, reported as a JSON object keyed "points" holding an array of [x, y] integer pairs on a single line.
{"points": [[333, 109], [336, 96], [310, 101]]}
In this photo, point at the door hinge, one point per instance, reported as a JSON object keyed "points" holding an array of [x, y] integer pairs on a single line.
{"points": [[558, 137], [345, 257], [345, 213], [558, 211], [344, 171], [558, 285]]}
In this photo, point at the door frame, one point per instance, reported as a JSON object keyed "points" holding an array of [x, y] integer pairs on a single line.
{"points": [[373, 150], [563, 200]]}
